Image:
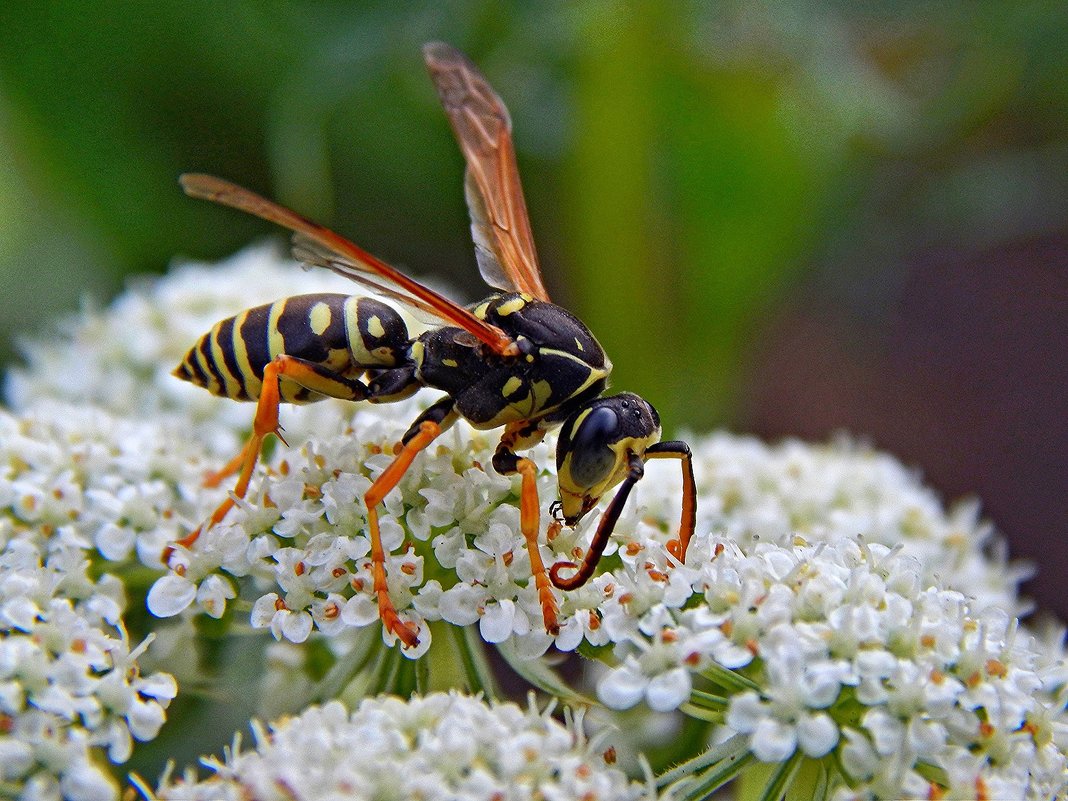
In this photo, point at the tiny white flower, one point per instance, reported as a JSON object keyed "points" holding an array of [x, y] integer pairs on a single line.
{"points": [[294, 626], [170, 595], [623, 687], [360, 610], [212, 595], [460, 604], [773, 740], [84, 781], [497, 621], [668, 690], [115, 542], [817, 734]]}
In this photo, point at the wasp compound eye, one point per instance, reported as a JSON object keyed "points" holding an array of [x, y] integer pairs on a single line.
{"points": [[592, 457]]}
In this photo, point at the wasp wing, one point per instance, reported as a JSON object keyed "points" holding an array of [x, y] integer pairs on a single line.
{"points": [[320, 246], [311, 253], [504, 244], [482, 234]]}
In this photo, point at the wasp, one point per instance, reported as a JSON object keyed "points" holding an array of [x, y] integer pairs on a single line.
{"points": [[514, 360]]}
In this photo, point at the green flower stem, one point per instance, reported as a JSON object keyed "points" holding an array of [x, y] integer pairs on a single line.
{"points": [[706, 706], [781, 779], [708, 700], [729, 680], [769, 781], [725, 751], [421, 669], [812, 782], [381, 677], [720, 773], [477, 672], [541, 675], [347, 667], [702, 713]]}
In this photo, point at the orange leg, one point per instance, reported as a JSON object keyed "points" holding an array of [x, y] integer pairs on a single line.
{"points": [[519, 436], [530, 523], [215, 478], [427, 432]]}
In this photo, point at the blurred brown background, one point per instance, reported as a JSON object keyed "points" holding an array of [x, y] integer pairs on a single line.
{"points": [[787, 218]]}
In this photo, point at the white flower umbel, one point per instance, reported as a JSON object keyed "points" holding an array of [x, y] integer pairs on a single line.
{"points": [[442, 746], [832, 618], [71, 692], [854, 664]]}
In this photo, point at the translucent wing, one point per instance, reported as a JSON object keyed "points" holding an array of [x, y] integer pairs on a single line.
{"points": [[318, 245], [504, 244], [314, 254]]}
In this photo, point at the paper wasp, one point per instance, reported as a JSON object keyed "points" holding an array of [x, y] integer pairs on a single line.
{"points": [[514, 359]]}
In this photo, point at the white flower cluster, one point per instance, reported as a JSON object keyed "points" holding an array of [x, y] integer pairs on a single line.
{"points": [[87, 484], [846, 651], [70, 683], [828, 601], [852, 615], [438, 746]]}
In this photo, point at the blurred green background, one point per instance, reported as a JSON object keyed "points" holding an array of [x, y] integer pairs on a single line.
{"points": [[783, 217]]}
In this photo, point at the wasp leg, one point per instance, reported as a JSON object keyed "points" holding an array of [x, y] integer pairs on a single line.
{"points": [[680, 450], [530, 524], [635, 470], [425, 430], [442, 413], [306, 374], [506, 462], [216, 477]]}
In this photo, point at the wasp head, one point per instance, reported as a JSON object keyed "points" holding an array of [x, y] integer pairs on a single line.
{"points": [[594, 446]]}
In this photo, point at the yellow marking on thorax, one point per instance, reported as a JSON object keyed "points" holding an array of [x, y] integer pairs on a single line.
{"points": [[418, 351], [453, 363], [511, 386], [542, 391], [480, 310], [596, 374], [513, 305], [319, 317]]}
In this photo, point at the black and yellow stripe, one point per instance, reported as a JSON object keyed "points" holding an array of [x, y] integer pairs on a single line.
{"points": [[341, 333]]}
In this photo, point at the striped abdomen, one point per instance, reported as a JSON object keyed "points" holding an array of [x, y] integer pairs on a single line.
{"points": [[343, 333]]}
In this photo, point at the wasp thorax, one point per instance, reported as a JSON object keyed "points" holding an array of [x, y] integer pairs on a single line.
{"points": [[594, 448]]}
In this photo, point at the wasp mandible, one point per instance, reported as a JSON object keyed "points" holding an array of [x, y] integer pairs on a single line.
{"points": [[514, 359]]}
